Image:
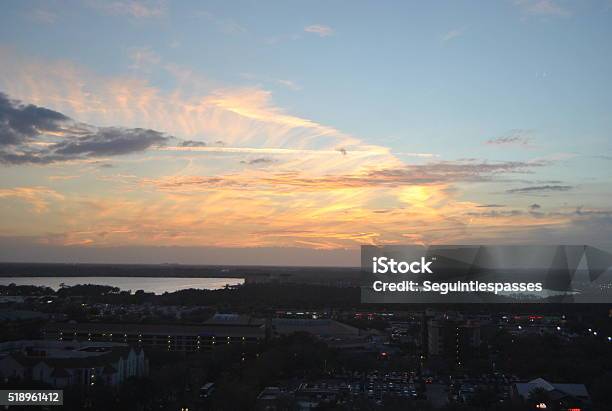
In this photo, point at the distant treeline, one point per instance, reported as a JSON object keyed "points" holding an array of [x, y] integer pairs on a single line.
{"points": [[175, 270], [271, 296], [261, 295]]}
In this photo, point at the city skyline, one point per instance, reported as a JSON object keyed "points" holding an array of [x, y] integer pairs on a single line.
{"points": [[152, 131]]}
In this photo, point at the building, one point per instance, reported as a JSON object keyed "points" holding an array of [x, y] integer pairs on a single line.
{"points": [[273, 399], [453, 338], [302, 314], [323, 328], [557, 395], [185, 338], [21, 316], [61, 364], [311, 396]]}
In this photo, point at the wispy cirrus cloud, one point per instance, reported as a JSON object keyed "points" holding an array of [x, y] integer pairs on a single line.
{"points": [[62, 177], [539, 189], [143, 58], [289, 84], [452, 34], [409, 175], [138, 9], [38, 197], [243, 116], [319, 29], [542, 8], [41, 15], [225, 25], [305, 183], [202, 147]]}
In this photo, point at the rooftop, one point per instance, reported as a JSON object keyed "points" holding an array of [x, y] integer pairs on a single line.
{"points": [[213, 329], [320, 327], [574, 390]]}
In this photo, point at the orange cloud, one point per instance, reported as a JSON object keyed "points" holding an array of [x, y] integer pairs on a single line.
{"points": [[325, 189], [37, 197]]}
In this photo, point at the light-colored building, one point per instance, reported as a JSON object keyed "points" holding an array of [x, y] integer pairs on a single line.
{"points": [[63, 363], [558, 395]]}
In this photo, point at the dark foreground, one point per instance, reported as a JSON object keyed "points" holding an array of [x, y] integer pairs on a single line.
{"points": [[286, 346]]}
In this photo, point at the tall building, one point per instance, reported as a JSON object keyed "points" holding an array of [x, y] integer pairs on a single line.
{"points": [[453, 338]]}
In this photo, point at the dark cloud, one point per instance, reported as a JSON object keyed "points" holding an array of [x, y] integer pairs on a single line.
{"points": [[538, 189], [495, 213], [22, 126], [505, 140], [193, 143], [110, 141], [20, 123], [260, 160], [535, 206], [34, 157], [514, 137], [433, 173], [449, 171], [581, 211], [491, 206]]}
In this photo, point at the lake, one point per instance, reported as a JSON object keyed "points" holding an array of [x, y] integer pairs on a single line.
{"points": [[157, 285]]}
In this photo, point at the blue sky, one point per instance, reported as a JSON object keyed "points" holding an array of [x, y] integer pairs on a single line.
{"points": [[399, 71], [523, 83]]}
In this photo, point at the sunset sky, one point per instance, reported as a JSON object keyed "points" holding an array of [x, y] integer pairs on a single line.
{"points": [[225, 132]]}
